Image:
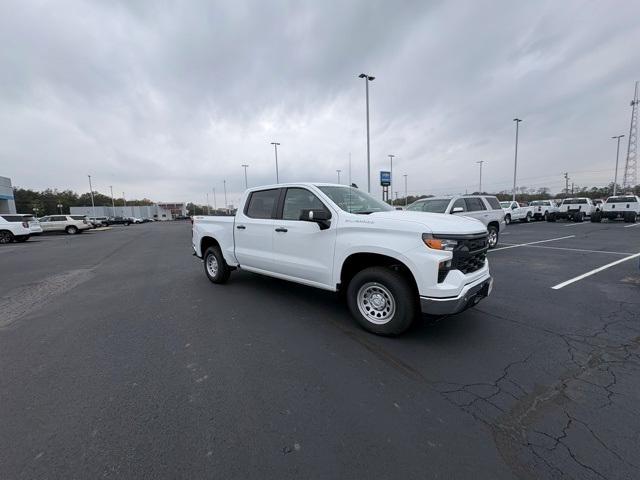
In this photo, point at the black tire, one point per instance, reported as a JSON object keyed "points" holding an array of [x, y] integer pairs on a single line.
{"points": [[579, 218], [6, 236], [546, 217], [387, 284], [221, 273], [527, 218], [493, 231], [507, 219], [596, 217], [21, 238], [126, 224], [71, 230], [551, 217]]}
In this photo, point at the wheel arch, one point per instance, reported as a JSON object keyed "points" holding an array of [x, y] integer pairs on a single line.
{"points": [[357, 262], [206, 242]]}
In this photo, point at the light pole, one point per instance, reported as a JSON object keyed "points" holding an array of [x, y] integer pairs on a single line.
{"points": [[224, 185], [338, 172], [208, 209], [367, 79], [59, 208], [515, 166], [275, 147], [480, 162], [615, 178], [113, 204], [406, 194], [93, 205], [215, 202], [124, 201], [246, 184], [391, 186]]}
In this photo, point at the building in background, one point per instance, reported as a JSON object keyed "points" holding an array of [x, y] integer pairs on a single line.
{"points": [[176, 209], [7, 202], [154, 212]]}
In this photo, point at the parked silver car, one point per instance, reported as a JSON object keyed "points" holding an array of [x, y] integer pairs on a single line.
{"points": [[485, 208], [64, 223]]}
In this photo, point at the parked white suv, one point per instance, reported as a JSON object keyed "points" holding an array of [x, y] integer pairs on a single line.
{"points": [[625, 207], [485, 208], [18, 227], [64, 223]]}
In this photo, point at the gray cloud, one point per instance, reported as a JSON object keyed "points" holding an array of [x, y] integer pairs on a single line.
{"points": [[167, 99]]}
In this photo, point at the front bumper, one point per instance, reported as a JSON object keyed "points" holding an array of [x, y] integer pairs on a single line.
{"points": [[470, 296]]}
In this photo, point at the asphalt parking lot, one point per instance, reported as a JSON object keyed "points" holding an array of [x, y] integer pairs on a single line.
{"points": [[120, 360]]}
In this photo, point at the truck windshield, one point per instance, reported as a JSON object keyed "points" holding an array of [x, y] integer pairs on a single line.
{"points": [[432, 206], [353, 200]]}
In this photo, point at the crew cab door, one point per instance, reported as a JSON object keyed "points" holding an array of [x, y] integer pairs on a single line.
{"points": [[303, 249], [253, 230]]}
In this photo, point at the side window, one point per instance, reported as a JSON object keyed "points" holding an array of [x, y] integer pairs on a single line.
{"points": [[474, 204], [261, 204], [459, 203], [58, 218], [493, 202], [298, 199]]}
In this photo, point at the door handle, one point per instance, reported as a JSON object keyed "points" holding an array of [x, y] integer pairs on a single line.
{"points": [[240, 227], [281, 229]]}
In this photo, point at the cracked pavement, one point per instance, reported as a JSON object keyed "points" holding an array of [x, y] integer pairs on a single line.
{"points": [[134, 366]]}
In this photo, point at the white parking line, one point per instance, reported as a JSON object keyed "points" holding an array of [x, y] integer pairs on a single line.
{"points": [[634, 225], [531, 243], [592, 272], [581, 250], [574, 224]]}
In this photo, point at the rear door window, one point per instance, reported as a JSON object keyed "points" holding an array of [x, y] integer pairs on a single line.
{"points": [[493, 202], [262, 204], [14, 218], [58, 218], [474, 204]]}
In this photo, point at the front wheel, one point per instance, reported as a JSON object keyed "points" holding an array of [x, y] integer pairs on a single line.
{"points": [[527, 218], [382, 301], [215, 266], [71, 230], [493, 236], [551, 217], [507, 219], [546, 216]]}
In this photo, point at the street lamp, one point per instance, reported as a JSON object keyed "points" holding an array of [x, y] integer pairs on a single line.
{"points": [[391, 186], [246, 184], [367, 79], [615, 178], [113, 203], [59, 208], [93, 205], [275, 146], [338, 172], [406, 195], [515, 166], [480, 162], [224, 185]]}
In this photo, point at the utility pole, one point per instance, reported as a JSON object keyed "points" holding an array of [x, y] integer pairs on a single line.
{"points": [[349, 168], [224, 185], [113, 204], [566, 183], [338, 172], [629, 180], [208, 209], [93, 205], [215, 203], [615, 177], [275, 146], [391, 186], [572, 184], [515, 164], [246, 184], [367, 79], [405, 190], [480, 162]]}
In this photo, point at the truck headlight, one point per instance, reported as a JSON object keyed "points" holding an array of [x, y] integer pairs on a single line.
{"points": [[439, 243]]}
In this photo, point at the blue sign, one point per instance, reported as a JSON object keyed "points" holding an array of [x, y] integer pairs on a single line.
{"points": [[385, 178]]}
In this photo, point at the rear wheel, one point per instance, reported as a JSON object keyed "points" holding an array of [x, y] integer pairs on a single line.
{"points": [[71, 230], [596, 217], [493, 237], [382, 301], [5, 236], [551, 217], [215, 266], [579, 217], [546, 216], [507, 219]]}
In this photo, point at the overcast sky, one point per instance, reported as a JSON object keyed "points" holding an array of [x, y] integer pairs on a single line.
{"points": [[165, 99]]}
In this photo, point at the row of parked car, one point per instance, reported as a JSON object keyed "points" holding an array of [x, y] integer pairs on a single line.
{"points": [[619, 207], [21, 227]]}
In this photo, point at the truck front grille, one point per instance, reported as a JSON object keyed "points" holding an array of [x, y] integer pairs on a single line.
{"points": [[469, 255]]}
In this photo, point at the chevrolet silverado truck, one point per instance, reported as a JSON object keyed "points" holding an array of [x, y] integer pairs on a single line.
{"points": [[515, 211], [543, 208], [390, 264], [624, 207], [575, 209]]}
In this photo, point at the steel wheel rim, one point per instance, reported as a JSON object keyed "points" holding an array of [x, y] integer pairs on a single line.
{"points": [[493, 238], [376, 303], [212, 265]]}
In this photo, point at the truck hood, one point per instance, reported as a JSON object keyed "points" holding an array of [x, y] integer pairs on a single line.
{"points": [[433, 222]]}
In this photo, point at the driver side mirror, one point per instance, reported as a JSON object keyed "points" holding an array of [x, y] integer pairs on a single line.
{"points": [[457, 210], [320, 216]]}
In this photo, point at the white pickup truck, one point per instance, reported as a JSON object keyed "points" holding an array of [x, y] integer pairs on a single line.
{"points": [[575, 209], [514, 211], [391, 264], [543, 208], [624, 207]]}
